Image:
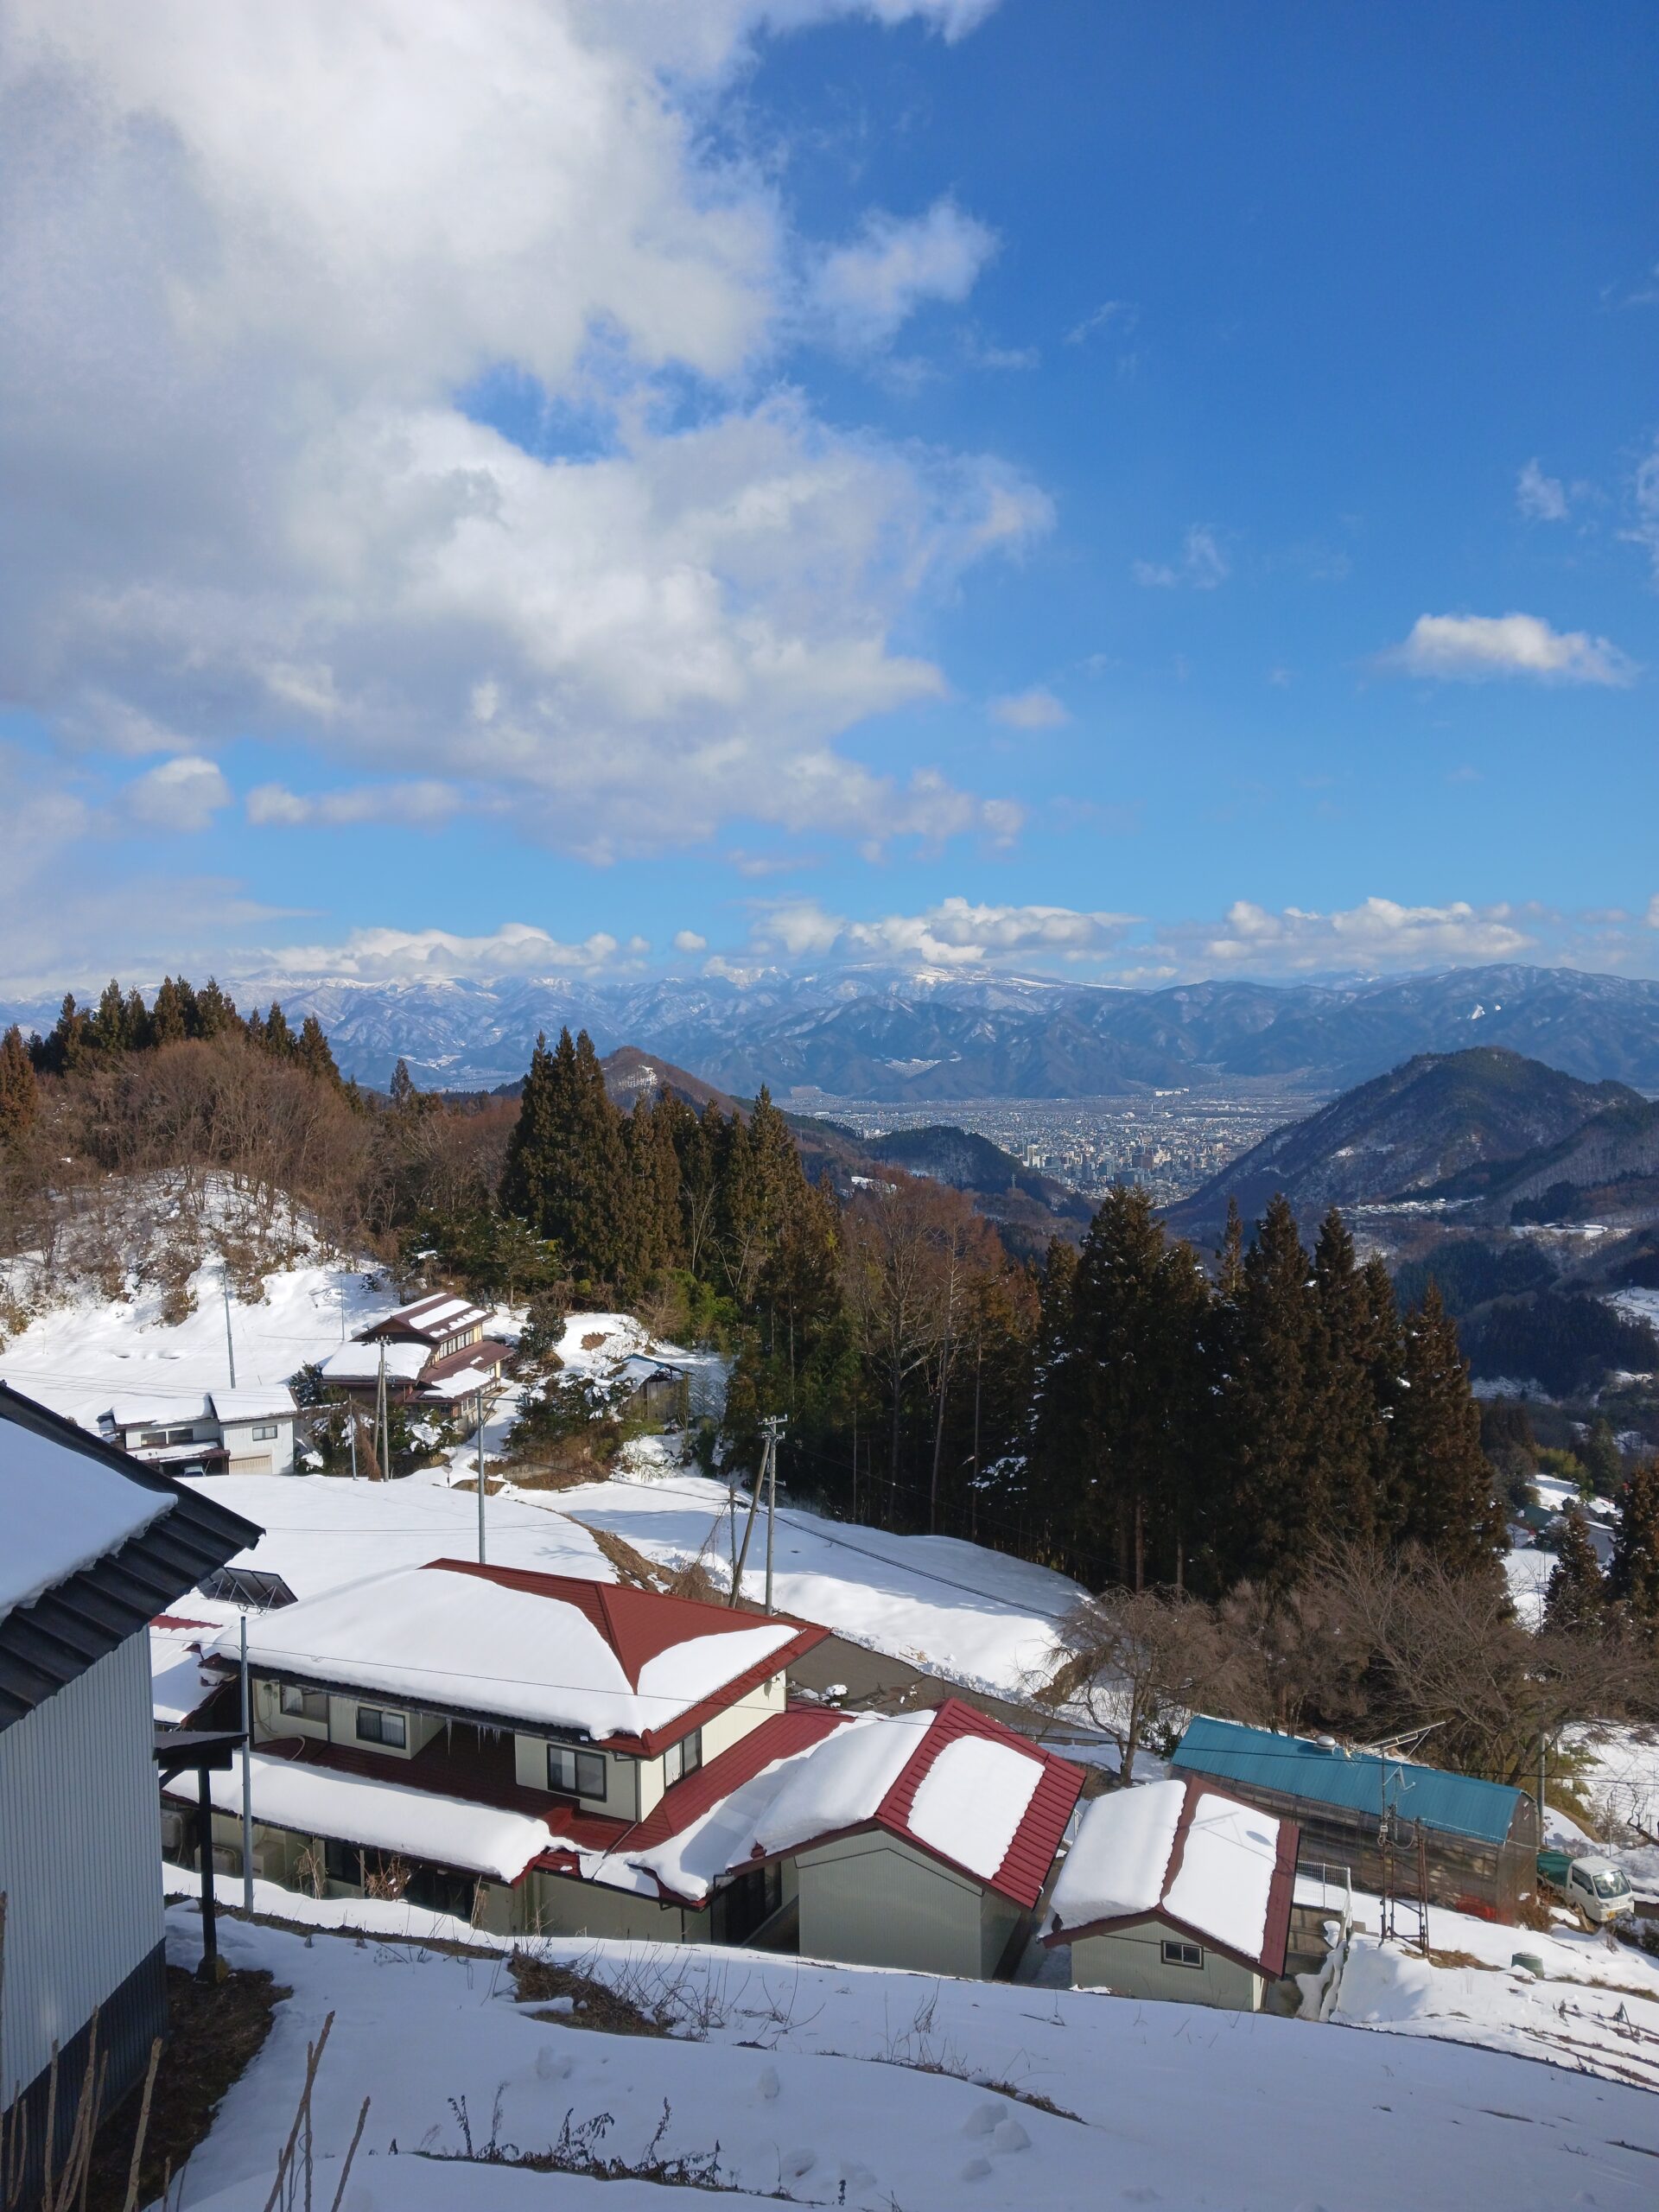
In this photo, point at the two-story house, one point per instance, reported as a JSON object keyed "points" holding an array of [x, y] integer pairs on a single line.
{"points": [[434, 1352], [224, 1433], [483, 1741]]}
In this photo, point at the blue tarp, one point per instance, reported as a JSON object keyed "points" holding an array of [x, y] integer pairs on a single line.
{"points": [[1355, 1782]]}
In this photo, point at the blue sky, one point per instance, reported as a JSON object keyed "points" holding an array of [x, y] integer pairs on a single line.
{"points": [[1125, 493]]}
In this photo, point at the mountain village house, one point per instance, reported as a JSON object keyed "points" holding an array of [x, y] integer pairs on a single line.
{"points": [[93, 1544], [1176, 1891], [544, 1753], [434, 1352], [226, 1433]]}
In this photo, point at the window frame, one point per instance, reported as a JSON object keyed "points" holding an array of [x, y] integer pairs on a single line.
{"points": [[682, 1758], [593, 1763], [264, 1431], [382, 1714], [1172, 1949], [297, 1710]]}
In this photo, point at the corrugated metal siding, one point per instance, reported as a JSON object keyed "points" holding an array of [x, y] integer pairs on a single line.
{"points": [[79, 1855]]}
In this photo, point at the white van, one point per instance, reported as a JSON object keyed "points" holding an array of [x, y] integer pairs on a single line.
{"points": [[1600, 1891]]}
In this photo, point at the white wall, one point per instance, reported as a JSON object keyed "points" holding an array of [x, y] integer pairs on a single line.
{"points": [[1130, 1961], [622, 1778], [740, 1720], [263, 1455], [873, 1901], [79, 1855]]}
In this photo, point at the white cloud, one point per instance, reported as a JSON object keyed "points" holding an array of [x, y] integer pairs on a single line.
{"points": [[1652, 912], [402, 956], [247, 257], [1377, 933], [1472, 647], [1123, 313], [425, 804], [866, 290], [181, 794], [1203, 564], [1540, 498], [957, 932], [688, 941], [1646, 493], [1035, 710]]}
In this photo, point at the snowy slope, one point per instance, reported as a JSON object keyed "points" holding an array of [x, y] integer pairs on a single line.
{"points": [[836, 2105]]}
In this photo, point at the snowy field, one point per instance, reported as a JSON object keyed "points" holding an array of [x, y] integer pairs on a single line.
{"points": [[831, 2085]]}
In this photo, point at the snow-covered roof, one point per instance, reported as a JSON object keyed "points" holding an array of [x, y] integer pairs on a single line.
{"points": [[60, 1508], [381, 1815], [953, 1783], [437, 1315], [1181, 1852], [177, 1684], [360, 1362], [157, 1412], [547, 1651], [274, 1404]]}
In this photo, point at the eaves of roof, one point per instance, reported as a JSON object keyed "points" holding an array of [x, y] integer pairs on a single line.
{"points": [[73, 1625]]}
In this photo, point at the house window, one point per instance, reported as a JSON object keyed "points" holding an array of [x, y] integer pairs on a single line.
{"points": [[577, 1774], [264, 1431], [342, 1862], [682, 1758], [1183, 1955], [304, 1705], [375, 1725]]}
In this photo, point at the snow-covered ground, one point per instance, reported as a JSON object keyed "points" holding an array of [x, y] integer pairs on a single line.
{"points": [[1597, 2004], [833, 2085], [79, 1355], [977, 1615]]}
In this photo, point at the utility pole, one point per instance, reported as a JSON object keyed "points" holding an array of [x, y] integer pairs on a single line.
{"points": [[1542, 1745], [230, 1342], [352, 1431], [480, 1476], [767, 1476], [247, 1779], [382, 1419]]}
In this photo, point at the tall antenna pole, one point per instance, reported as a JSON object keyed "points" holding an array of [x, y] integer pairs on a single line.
{"points": [[480, 1475], [382, 1419]]}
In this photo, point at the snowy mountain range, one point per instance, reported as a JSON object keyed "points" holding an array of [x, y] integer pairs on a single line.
{"points": [[926, 1034]]}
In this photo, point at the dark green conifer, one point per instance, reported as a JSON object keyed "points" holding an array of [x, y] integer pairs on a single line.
{"points": [[19, 1093], [1633, 1571], [1439, 1480], [1576, 1596]]}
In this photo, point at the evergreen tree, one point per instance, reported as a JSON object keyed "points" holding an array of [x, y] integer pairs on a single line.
{"points": [[276, 1036], [405, 1098], [1576, 1598], [1633, 1571], [140, 1036], [313, 1052], [1136, 1333], [214, 1011], [1347, 1418], [109, 1030], [1602, 1462], [1439, 1480], [567, 1168], [19, 1093], [65, 1049], [1385, 1361], [1270, 1408], [168, 1018]]}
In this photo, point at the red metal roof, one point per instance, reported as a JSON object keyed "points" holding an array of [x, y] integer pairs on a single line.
{"points": [[778, 1737], [641, 1624], [1029, 1856]]}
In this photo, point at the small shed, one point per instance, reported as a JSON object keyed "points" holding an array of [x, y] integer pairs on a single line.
{"points": [[660, 1392], [1175, 1889], [1480, 1838]]}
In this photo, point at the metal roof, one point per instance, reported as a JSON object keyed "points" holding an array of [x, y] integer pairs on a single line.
{"points": [[75, 1623], [1360, 1782]]}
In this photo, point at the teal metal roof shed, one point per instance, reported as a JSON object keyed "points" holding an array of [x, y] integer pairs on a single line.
{"points": [[1357, 1782]]}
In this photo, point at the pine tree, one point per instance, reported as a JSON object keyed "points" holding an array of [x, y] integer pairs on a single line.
{"points": [[1385, 1365], [1576, 1598], [71, 1038], [215, 1011], [276, 1037], [1633, 1571], [19, 1093], [566, 1170], [1439, 1480], [110, 1031], [405, 1098]]}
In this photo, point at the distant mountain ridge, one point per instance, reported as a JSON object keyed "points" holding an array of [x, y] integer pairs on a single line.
{"points": [[1442, 1125], [936, 1034]]}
